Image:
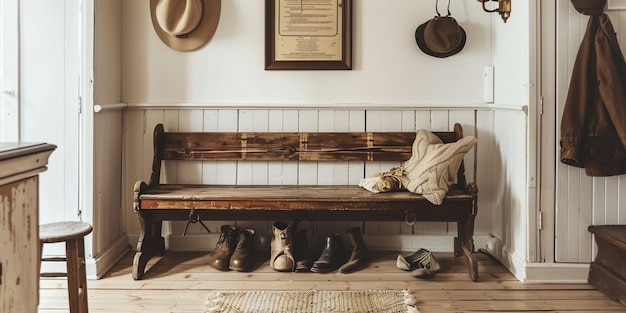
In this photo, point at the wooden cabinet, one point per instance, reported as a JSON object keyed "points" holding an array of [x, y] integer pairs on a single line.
{"points": [[20, 165]]}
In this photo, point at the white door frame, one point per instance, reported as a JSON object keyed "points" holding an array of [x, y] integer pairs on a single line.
{"points": [[547, 130]]}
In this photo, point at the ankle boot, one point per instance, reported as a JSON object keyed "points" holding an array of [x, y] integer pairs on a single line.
{"points": [[359, 252], [242, 259], [281, 256], [301, 251], [220, 257], [333, 256]]}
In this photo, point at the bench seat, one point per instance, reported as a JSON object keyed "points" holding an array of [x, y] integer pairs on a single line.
{"points": [[313, 202]]}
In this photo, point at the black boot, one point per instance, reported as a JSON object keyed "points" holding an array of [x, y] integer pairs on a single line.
{"points": [[359, 252], [301, 251], [333, 256]]}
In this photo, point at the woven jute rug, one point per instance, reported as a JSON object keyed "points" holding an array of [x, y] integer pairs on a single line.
{"points": [[314, 301]]}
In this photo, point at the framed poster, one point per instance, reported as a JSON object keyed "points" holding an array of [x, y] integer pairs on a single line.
{"points": [[308, 34]]}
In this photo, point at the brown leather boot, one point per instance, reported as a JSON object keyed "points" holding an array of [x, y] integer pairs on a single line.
{"points": [[242, 259], [359, 253], [220, 257], [333, 256], [281, 256]]}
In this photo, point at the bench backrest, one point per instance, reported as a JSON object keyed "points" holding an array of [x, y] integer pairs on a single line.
{"points": [[285, 146]]}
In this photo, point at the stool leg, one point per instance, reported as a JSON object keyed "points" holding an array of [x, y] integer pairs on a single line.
{"points": [[76, 275]]}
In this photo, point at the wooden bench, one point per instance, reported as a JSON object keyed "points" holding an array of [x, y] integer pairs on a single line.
{"points": [[155, 202]]}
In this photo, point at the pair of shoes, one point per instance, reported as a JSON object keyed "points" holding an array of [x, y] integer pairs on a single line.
{"points": [[289, 248], [421, 263], [234, 249], [334, 255]]}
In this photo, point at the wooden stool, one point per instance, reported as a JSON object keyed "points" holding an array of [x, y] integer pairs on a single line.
{"points": [[73, 234]]}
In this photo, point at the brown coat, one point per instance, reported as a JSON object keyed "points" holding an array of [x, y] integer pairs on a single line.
{"points": [[593, 127]]}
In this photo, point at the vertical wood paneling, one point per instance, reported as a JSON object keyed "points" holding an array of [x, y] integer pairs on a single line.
{"points": [[225, 171], [244, 168], [332, 173], [210, 121], [132, 166], [581, 200], [508, 171], [191, 120], [487, 212], [107, 215], [190, 172], [307, 171], [326, 170], [253, 173], [169, 170]]}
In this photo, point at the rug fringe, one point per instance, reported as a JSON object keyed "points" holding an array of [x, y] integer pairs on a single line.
{"points": [[410, 301], [212, 301]]}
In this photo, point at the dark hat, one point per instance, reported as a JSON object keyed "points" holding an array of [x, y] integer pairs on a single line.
{"points": [[440, 37], [589, 7]]}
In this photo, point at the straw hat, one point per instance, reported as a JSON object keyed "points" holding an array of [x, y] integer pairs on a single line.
{"points": [[440, 37], [185, 25]]}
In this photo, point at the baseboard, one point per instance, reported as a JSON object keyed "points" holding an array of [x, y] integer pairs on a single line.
{"points": [[557, 273], [537, 273], [103, 262]]}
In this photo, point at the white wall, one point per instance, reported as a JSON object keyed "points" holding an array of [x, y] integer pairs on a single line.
{"points": [[389, 69]]}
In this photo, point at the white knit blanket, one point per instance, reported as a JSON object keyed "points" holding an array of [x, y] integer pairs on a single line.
{"points": [[433, 165], [430, 171]]}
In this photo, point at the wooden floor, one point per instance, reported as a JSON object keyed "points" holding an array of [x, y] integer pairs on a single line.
{"points": [[180, 282]]}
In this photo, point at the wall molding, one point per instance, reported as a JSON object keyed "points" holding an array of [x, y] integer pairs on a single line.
{"points": [[97, 267], [304, 106], [98, 108], [537, 273]]}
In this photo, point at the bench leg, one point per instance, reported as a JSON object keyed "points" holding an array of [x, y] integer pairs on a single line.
{"points": [[464, 246], [150, 243]]}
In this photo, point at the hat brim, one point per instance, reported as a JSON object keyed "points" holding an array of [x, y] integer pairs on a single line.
{"points": [[196, 39], [421, 43], [589, 7]]}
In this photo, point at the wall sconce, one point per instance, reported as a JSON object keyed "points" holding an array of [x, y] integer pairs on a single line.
{"points": [[504, 8]]}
